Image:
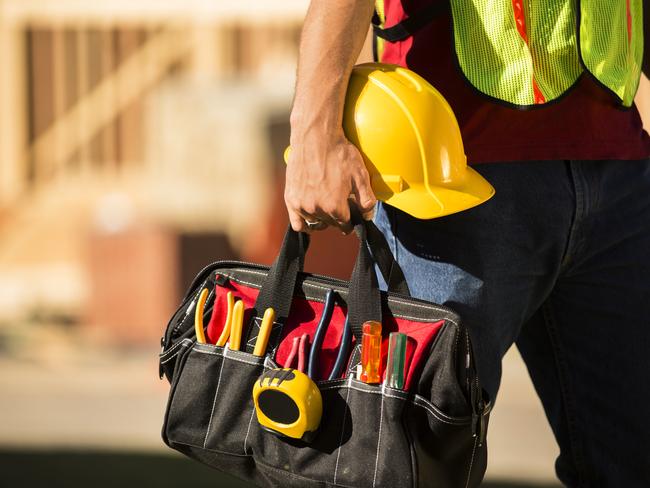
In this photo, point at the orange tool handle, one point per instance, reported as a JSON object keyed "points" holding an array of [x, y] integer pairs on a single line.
{"points": [[371, 352]]}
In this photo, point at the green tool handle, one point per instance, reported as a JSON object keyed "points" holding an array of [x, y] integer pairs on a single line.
{"points": [[395, 375]]}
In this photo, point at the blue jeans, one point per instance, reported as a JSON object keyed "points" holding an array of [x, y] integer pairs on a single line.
{"points": [[558, 262]]}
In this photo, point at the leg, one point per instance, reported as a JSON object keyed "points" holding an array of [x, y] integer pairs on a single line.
{"points": [[493, 264], [587, 349]]}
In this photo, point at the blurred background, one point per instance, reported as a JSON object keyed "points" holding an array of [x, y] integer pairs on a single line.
{"points": [[140, 140]]}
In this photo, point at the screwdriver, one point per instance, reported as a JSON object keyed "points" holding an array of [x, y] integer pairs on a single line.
{"points": [[371, 352], [198, 316], [236, 326], [265, 332], [396, 360]]}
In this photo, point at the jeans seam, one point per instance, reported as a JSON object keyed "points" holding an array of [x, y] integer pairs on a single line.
{"points": [[567, 399], [573, 239], [392, 220]]}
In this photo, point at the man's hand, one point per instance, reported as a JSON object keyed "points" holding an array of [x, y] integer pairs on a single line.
{"points": [[324, 169], [321, 176]]}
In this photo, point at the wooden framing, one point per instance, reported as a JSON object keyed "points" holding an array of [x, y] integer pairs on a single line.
{"points": [[13, 123]]}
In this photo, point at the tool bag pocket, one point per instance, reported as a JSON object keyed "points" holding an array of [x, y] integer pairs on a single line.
{"points": [[429, 434], [348, 450], [209, 406]]}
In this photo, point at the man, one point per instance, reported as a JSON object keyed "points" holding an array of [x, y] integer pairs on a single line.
{"points": [[558, 261]]}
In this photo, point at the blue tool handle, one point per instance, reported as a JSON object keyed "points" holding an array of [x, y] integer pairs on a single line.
{"points": [[312, 367], [344, 348]]}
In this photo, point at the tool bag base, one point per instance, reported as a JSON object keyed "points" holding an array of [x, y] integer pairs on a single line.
{"points": [[431, 433]]}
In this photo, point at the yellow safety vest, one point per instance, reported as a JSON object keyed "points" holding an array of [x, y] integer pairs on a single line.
{"points": [[530, 52]]}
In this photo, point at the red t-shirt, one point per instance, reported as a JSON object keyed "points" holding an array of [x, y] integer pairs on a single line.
{"points": [[586, 123]]}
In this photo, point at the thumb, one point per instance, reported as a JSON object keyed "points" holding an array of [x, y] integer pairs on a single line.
{"points": [[363, 194]]}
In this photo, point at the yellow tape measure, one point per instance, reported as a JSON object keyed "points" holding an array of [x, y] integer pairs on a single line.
{"points": [[288, 403]]}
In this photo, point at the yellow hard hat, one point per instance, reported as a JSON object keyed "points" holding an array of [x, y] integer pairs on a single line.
{"points": [[410, 141]]}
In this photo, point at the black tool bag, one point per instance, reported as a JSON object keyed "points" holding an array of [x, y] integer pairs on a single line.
{"points": [[431, 434]]}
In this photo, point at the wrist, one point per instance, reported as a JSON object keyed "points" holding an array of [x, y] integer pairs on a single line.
{"points": [[317, 117], [314, 132]]}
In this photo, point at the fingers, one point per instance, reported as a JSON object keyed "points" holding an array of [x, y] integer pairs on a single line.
{"points": [[302, 213], [340, 217], [319, 183], [314, 223], [297, 222], [300, 221], [364, 197]]}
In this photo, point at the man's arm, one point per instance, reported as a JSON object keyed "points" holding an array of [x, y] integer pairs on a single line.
{"points": [[324, 168]]}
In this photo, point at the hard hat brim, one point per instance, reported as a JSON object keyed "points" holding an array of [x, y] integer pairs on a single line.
{"points": [[437, 201]]}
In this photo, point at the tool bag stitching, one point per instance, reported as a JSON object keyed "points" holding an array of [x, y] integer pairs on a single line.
{"points": [[390, 299], [209, 449], [248, 431], [173, 356], [374, 391], [416, 400], [173, 348], [456, 341], [253, 363], [381, 418], [257, 285], [471, 462], [229, 353], [250, 422], [330, 382], [168, 352], [241, 356], [258, 325], [269, 363], [438, 414], [345, 417], [214, 401]]}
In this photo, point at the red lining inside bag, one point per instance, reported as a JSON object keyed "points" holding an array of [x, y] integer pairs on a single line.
{"points": [[304, 318]]}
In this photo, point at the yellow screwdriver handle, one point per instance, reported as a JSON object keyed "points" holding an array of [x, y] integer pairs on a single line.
{"points": [[265, 332], [198, 316], [225, 333], [236, 325]]}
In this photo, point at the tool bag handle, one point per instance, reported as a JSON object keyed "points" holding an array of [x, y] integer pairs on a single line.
{"points": [[364, 299]]}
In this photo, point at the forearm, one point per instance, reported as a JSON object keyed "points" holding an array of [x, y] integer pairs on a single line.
{"points": [[333, 35]]}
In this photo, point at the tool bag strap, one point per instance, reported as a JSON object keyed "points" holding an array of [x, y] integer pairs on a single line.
{"points": [[383, 257], [409, 26], [279, 286], [364, 298], [281, 278]]}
